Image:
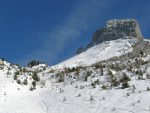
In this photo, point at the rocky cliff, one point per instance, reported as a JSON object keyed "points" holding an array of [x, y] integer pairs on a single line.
{"points": [[115, 29]]}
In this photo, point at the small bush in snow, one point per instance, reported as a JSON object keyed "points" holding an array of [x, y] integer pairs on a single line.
{"points": [[140, 77], [76, 86], [81, 87], [77, 73], [129, 68], [133, 104], [70, 70], [35, 77], [133, 90], [93, 85], [115, 83], [133, 86], [103, 98], [125, 78], [8, 73], [52, 71], [31, 88], [61, 77], [99, 66], [3, 59], [25, 82], [91, 99], [110, 72], [33, 63], [139, 72], [64, 99], [79, 95], [102, 72], [128, 94], [15, 77], [42, 83], [88, 73], [148, 89], [125, 85], [61, 90], [44, 68], [17, 73], [18, 81], [139, 101], [34, 84], [104, 87], [112, 66], [24, 70], [97, 82], [148, 76], [113, 109]]}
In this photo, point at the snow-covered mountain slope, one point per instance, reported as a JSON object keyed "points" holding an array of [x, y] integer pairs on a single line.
{"points": [[15, 98], [111, 86], [82, 90], [88, 100], [100, 52], [79, 96]]}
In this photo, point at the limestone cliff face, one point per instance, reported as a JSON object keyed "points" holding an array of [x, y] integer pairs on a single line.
{"points": [[117, 28]]}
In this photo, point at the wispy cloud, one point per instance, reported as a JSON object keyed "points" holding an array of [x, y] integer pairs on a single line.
{"points": [[84, 13]]}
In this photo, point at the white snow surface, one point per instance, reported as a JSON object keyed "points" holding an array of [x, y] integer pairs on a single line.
{"points": [[15, 98], [99, 52], [18, 99]]}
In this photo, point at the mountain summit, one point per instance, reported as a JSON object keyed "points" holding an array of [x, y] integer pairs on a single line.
{"points": [[117, 28]]}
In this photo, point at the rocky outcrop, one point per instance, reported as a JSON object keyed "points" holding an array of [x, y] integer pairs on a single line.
{"points": [[117, 28]]}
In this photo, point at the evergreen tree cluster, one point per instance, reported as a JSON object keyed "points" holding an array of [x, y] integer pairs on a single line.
{"points": [[34, 63]]}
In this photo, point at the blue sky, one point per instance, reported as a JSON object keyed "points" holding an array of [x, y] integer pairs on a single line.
{"points": [[52, 30]]}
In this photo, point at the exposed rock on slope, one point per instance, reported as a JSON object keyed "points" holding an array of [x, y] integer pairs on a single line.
{"points": [[115, 29]]}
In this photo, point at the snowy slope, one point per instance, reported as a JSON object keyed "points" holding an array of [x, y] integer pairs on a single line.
{"points": [[100, 52], [78, 96], [104, 101], [15, 98], [51, 100]]}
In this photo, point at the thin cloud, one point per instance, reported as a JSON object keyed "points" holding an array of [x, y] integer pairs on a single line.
{"points": [[82, 16]]}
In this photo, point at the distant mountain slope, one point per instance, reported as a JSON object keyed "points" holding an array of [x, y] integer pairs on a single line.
{"points": [[100, 52], [116, 38]]}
